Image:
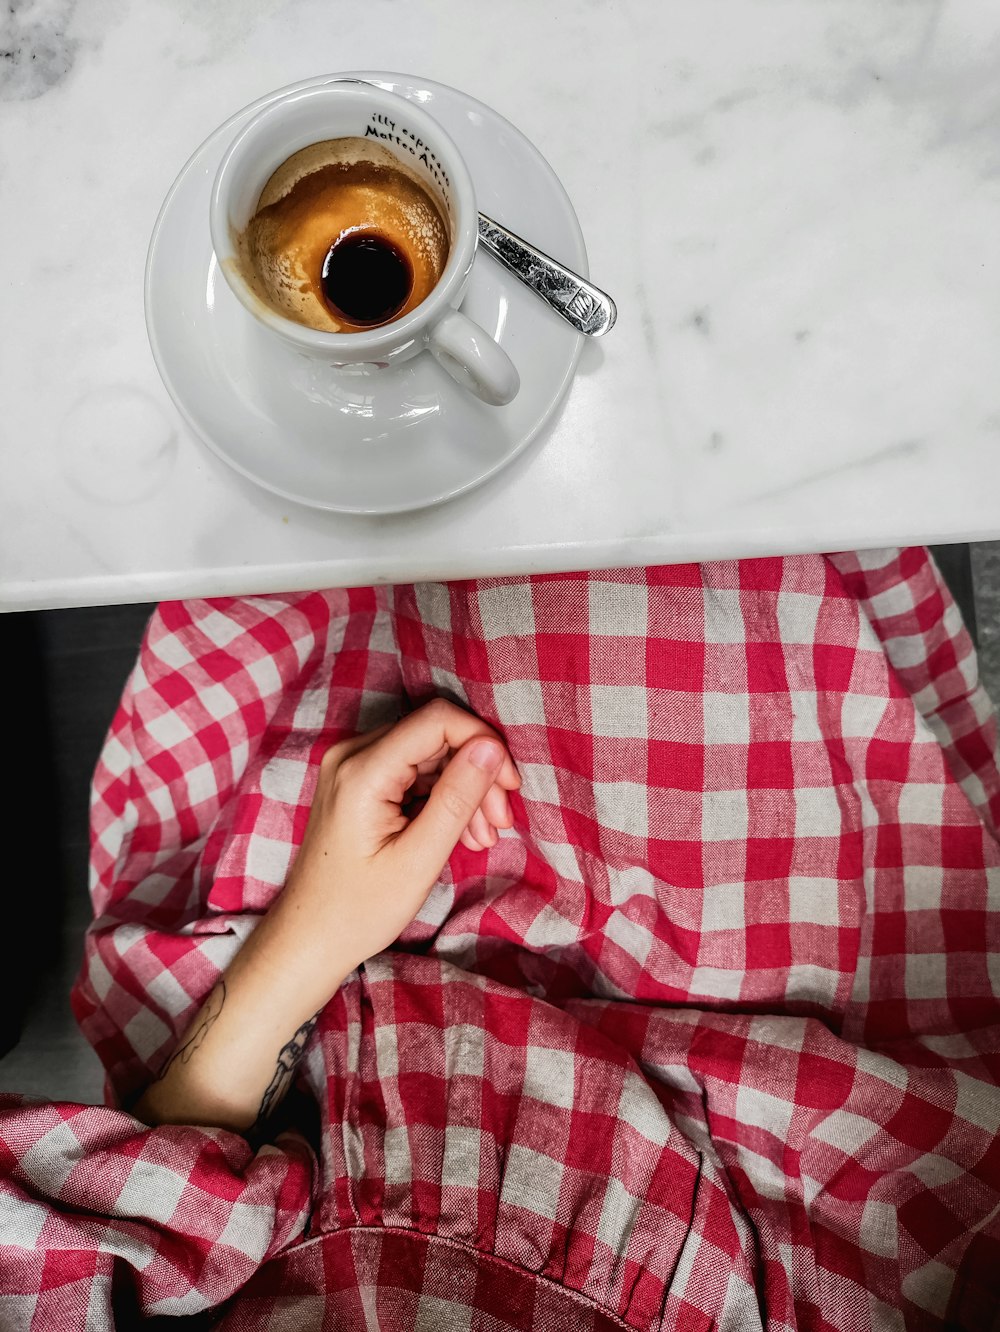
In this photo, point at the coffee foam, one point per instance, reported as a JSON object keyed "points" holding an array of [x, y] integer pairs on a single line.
{"points": [[318, 195]]}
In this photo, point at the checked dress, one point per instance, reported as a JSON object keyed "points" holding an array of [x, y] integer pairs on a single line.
{"points": [[710, 1039]]}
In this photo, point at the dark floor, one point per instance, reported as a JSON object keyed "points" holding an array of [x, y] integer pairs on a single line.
{"points": [[67, 669]]}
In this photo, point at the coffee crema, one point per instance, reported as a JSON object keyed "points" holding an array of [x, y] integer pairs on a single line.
{"points": [[344, 238]]}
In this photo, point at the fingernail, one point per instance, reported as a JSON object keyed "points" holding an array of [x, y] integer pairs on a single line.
{"points": [[486, 754]]}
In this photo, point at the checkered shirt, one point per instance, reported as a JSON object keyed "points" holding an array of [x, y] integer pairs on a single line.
{"points": [[710, 1039]]}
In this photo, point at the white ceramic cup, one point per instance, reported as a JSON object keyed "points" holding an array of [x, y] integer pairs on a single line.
{"points": [[345, 109]]}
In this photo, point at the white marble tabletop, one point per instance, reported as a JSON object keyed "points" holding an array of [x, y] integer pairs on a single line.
{"points": [[795, 204]]}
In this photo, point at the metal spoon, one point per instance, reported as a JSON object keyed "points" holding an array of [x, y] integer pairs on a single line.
{"points": [[580, 303]]}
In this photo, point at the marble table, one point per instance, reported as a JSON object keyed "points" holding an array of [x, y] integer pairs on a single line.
{"points": [[796, 205]]}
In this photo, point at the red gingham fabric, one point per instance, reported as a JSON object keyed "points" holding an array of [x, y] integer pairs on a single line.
{"points": [[710, 1039]]}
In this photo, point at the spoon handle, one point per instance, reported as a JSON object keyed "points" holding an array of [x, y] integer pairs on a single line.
{"points": [[580, 303]]}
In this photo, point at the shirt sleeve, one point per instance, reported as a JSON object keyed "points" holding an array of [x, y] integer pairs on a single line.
{"points": [[103, 1220]]}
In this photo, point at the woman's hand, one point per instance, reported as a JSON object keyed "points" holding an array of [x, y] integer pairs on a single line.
{"points": [[389, 809]]}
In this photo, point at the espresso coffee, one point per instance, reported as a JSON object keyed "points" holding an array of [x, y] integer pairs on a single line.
{"points": [[344, 238], [366, 279]]}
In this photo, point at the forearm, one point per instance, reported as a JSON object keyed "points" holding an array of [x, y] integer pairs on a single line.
{"points": [[237, 1058], [363, 872]]}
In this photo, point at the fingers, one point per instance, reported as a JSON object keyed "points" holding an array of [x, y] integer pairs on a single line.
{"points": [[481, 830], [492, 814], [354, 744], [453, 808], [470, 842], [407, 761], [433, 763], [496, 808], [419, 739]]}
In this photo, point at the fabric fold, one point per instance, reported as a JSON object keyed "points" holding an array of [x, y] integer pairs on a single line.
{"points": [[710, 1038]]}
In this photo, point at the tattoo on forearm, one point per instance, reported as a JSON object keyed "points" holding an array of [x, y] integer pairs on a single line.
{"points": [[288, 1059], [211, 1010]]}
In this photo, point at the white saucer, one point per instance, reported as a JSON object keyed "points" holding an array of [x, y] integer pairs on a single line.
{"points": [[390, 441]]}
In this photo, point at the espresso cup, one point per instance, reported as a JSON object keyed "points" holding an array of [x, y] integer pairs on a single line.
{"points": [[342, 110]]}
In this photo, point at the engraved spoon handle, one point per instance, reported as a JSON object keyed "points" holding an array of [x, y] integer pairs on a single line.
{"points": [[580, 303]]}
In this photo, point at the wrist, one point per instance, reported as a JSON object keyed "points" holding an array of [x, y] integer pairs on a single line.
{"points": [[302, 959]]}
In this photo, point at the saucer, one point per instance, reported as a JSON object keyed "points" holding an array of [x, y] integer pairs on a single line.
{"points": [[383, 441]]}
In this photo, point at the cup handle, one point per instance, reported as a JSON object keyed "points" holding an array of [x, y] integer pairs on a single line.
{"points": [[473, 359]]}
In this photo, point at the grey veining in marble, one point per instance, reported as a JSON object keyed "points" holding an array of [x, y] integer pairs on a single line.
{"points": [[794, 205], [37, 47]]}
